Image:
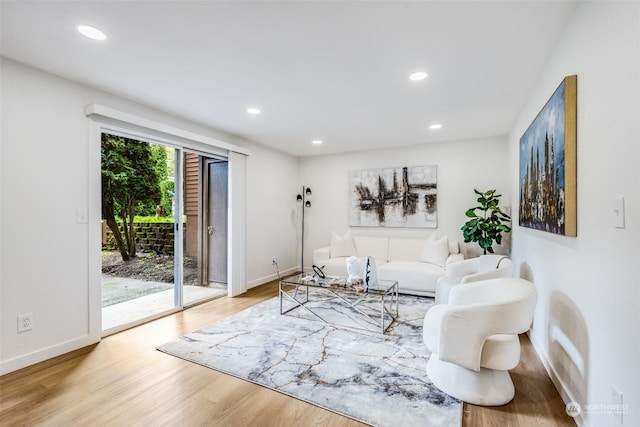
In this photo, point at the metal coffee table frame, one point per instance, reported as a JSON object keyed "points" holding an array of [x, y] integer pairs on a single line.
{"points": [[385, 290]]}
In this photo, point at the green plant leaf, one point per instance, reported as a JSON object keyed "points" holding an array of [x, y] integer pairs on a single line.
{"points": [[486, 228]]}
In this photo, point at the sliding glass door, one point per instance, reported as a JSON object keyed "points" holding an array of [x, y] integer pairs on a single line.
{"points": [[164, 230]]}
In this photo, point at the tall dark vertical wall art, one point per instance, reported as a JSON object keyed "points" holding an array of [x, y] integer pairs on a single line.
{"points": [[548, 165], [394, 197]]}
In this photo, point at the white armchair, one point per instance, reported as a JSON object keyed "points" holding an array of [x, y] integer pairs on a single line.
{"points": [[474, 339], [472, 270]]}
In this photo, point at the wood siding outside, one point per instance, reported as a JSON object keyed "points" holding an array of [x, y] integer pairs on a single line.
{"points": [[191, 192], [191, 196]]}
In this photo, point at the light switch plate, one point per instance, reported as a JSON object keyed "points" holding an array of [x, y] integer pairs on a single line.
{"points": [[617, 207], [82, 216]]}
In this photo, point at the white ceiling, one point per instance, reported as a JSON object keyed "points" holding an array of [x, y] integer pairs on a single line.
{"points": [[330, 70]]}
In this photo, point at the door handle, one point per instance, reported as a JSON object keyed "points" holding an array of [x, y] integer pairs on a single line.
{"points": [[210, 229]]}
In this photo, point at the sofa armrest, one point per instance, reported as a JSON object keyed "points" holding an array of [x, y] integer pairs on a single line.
{"points": [[453, 258], [321, 254]]}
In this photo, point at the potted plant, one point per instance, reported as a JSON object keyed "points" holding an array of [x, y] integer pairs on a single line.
{"points": [[487, 225]]}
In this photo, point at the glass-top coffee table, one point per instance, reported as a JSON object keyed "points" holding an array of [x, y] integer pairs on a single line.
{"points": [[376, 305]]}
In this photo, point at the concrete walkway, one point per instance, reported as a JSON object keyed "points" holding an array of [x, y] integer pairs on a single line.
{"points": [[161, 299]]}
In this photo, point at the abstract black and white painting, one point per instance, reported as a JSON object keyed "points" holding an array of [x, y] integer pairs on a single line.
{"points": [[394, 197]]}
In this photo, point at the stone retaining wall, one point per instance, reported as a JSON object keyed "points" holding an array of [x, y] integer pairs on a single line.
{"points": [[150, 237]]}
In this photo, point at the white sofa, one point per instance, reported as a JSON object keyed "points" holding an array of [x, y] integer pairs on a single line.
{"points": [[416, 264]]}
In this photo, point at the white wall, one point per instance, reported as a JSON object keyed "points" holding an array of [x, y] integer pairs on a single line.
{"points": [[461, 167], [44, 178], [272, 181], [44, 252], [586, 322]]}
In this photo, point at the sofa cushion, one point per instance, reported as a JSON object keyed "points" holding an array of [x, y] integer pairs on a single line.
{"points": [[342, 246], [412, 275], [405, 249], [335, 266], [377, 247], [436, 251], [454, 246]]}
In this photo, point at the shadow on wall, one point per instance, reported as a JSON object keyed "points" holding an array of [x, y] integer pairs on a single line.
{"points": [[567, 341], [568, 344], [526, 272]]}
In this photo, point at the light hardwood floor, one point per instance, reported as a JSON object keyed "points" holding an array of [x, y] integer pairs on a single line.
{"points": [[124, 381]]}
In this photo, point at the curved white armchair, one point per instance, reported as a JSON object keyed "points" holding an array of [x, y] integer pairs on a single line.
{"points": [[474, 339], [472, 270]]}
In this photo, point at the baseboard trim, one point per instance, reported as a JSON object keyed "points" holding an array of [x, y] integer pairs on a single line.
{"points": [[565, 394], [271, 277], [29, 359]]}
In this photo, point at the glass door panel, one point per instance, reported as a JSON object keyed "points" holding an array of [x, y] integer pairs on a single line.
{"points": [[139, 277]]}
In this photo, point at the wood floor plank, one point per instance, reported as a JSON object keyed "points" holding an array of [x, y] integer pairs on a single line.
{"points": [[124, 381]]}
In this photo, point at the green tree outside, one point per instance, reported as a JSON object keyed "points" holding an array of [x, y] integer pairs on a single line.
{"points": [[159, 160], [133, 173]]}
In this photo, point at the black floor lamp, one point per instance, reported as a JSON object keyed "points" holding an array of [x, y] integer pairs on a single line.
{"points": [[306, 192]]}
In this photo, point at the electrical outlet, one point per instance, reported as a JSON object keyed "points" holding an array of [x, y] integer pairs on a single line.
{"points": [[618, 403], [25, 322], [274, 260]]}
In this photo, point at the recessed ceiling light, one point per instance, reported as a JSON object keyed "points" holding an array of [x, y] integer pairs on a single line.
{"points": [[435, 126], [253, 110], [91, 32], [316, 142], [417, 76]]}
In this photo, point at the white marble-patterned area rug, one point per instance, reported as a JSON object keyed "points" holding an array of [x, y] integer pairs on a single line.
{"points": [[377, 379]]}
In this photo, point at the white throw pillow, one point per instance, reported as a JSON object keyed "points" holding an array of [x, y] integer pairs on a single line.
{"points": [[454, 247], [436, 251], [342, 245]]}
